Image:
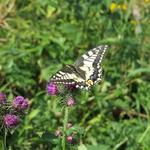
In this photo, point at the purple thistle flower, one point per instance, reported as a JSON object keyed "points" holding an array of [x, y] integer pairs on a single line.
{"points": [[10, 120], [52, 89], [20, 103], [2, 98], [70, 102]]}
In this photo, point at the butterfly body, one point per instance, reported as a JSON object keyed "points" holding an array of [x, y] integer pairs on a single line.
{"points": [[85, 72]]}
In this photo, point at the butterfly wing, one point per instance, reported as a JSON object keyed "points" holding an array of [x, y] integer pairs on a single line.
{"points": [[88, 65], [67, 75], [85, 68]]}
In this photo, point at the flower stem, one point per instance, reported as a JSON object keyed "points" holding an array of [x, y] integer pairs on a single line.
{"points": [[1, 144], [5, 135], [65, 128], [3, 141]]}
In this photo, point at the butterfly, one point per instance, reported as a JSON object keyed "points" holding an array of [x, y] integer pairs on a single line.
{"points": [[85, 72]]}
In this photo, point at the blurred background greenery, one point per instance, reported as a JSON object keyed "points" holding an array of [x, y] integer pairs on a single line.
{"points": [[38, 36]]}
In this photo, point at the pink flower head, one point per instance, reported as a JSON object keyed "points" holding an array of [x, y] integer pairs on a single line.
{"points": [[70, 102], [69, 125], [2, 98], [69, 138], [52, 89], [10, 120], [20, 103], [58, 133]]}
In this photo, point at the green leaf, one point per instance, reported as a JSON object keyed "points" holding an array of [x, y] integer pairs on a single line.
{"points": [[97, 147], [139, 71], [33, 114], [82, 147], [50, 11]]}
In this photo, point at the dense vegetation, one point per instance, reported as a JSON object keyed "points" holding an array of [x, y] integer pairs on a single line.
{"points": [[38, 37]]}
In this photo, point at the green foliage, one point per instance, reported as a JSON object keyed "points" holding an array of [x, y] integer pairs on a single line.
{"points": [[37, 37]]}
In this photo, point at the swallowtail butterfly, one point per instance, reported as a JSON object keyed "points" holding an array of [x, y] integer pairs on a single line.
{"points": [[85, 72]]}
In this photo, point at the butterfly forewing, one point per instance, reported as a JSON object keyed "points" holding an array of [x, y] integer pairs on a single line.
{"points": [[88, 64]]}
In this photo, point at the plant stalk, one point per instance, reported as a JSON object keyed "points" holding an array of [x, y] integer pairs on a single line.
{"points": [[5, 136], [65, 128], [3, 141]]}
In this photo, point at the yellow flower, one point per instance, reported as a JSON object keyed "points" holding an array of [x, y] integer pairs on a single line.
{"points": [[113, 7], [123, 7], [146, 1]]}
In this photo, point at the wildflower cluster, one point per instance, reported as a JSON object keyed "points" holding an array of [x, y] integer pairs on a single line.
{"points": [[70, 138], [66, 132], [12, 112], [64, 91]]}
